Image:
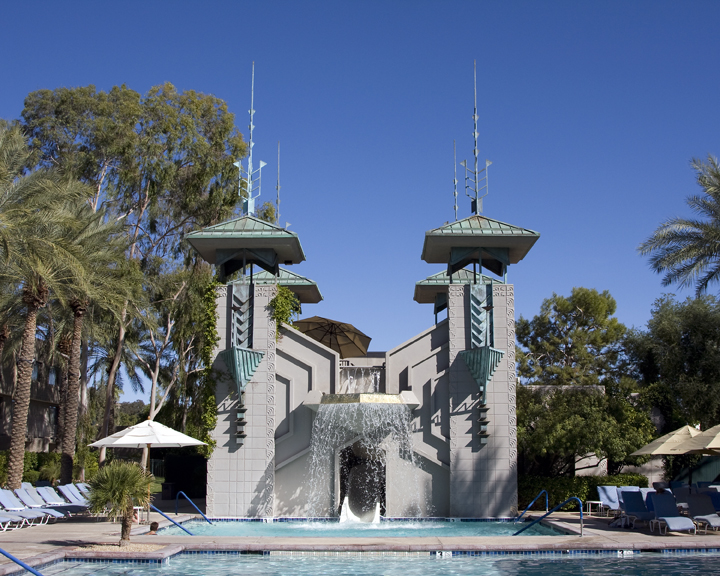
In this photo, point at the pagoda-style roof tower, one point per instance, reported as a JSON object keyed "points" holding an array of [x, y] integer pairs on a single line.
{"points": [[234, 244], [477, 239]]}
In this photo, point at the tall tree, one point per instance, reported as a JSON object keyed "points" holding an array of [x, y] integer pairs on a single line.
{"points": [[161, 163], [577, 399], [687, 251], [37, 254], [677, 361], [108, 286]]}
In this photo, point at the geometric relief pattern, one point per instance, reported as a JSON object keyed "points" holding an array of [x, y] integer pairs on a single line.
{"points": [[266, 293]]}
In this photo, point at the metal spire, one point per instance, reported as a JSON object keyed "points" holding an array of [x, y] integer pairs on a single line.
{"points": [[277, 212], [246, 176], [455, 180], [474, 177]]}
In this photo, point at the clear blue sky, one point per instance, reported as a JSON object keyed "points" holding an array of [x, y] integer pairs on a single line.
{"points": [[589, 111]]}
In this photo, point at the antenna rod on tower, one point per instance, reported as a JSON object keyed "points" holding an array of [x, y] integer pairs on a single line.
{"points": [[251, 187], [475, 135], [455, 180], [251, 144], [277, 219]]}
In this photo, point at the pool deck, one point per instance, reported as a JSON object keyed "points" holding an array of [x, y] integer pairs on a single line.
{"points": [[39, 545]]}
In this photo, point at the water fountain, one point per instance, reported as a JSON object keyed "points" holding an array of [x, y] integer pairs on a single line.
{"points": [[358, 440]]}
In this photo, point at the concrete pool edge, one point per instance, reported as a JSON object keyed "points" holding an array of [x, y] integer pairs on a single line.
{"points": [[598, 539]]}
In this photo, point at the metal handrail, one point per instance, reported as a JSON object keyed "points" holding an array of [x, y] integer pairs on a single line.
{"points": [[19, 562], [533, 502], [177, 497], [553, 510], [171, 520]]}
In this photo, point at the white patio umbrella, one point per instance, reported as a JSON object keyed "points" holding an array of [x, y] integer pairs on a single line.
{"points": [[147, 434]]}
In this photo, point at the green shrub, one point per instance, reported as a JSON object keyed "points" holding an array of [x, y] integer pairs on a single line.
{"points": [[561, 488], [31, 476]]}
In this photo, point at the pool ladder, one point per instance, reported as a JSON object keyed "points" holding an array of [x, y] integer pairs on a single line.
{"points": [[580, 504]]}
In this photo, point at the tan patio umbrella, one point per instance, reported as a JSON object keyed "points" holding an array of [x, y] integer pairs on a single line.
{"points": [[707, 442], [665, 445], [342, 337]]}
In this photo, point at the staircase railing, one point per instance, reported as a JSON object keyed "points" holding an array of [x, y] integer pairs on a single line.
{"points": [[533, 502], [580, 504], [191, 502], [171, 520], [20, 562]]}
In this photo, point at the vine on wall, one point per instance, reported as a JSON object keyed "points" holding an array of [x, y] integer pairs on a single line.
{"points": [[208, 419], [284, 308]]}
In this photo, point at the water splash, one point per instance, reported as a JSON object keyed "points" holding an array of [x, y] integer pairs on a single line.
{"points": [[368, 446]]}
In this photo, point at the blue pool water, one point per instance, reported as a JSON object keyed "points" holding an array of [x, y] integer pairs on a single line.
{"points": [[232, 565], [394, 529]]}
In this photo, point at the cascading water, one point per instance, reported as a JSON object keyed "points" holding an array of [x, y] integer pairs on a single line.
{"points": [[354, 380], [356, 449]]}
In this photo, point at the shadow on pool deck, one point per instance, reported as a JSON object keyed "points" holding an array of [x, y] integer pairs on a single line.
{"points": [[40, 544]]}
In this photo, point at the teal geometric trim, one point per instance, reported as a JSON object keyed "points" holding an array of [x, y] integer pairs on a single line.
{"points": [[482, 363], [241, 364]]}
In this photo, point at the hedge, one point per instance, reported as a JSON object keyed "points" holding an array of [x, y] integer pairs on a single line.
{"points": [[561, 488]]}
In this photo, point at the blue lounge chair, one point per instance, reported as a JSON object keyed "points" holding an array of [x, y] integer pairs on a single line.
{"points": [[32, 502], [609, 497], [10, 502], [635, 508], [18, 511], [666, 515], [702, 511], [73, 495], [53, 499]]}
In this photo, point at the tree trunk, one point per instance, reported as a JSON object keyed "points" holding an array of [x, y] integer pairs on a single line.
{"points": [[21, 396], [65, 349], [110, 390], [72, 400], [127, 522]]}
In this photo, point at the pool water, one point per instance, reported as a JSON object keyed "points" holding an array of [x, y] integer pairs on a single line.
{"points": [[232, 565], [324, 529]]}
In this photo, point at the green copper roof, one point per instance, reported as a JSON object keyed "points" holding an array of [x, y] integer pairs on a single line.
{"points": [[241, 363], [305, 289], [425, 290], [482, 363], [477, 232], [246, 232]]}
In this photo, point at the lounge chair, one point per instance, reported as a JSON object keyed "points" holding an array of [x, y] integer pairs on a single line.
{"points": [[73, 495], [34, 502], [32, 517], [635, 508], [10, 502], [54, 500], [702, 511], [666, 515], [83, 488], [609, 497]]}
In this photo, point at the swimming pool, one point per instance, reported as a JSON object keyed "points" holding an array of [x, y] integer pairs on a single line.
{"points": [[292, 528], [219, 564]]}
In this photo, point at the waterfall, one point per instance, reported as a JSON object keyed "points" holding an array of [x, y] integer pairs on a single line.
{"points": [[355, 380], [353, 447]]}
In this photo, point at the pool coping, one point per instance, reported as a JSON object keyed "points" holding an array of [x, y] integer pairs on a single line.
{"points": [[594, 542]]}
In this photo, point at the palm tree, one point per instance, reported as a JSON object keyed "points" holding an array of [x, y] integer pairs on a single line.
{"points": [[688, 251], [117, 487], [38, 255], [102, 249]]}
